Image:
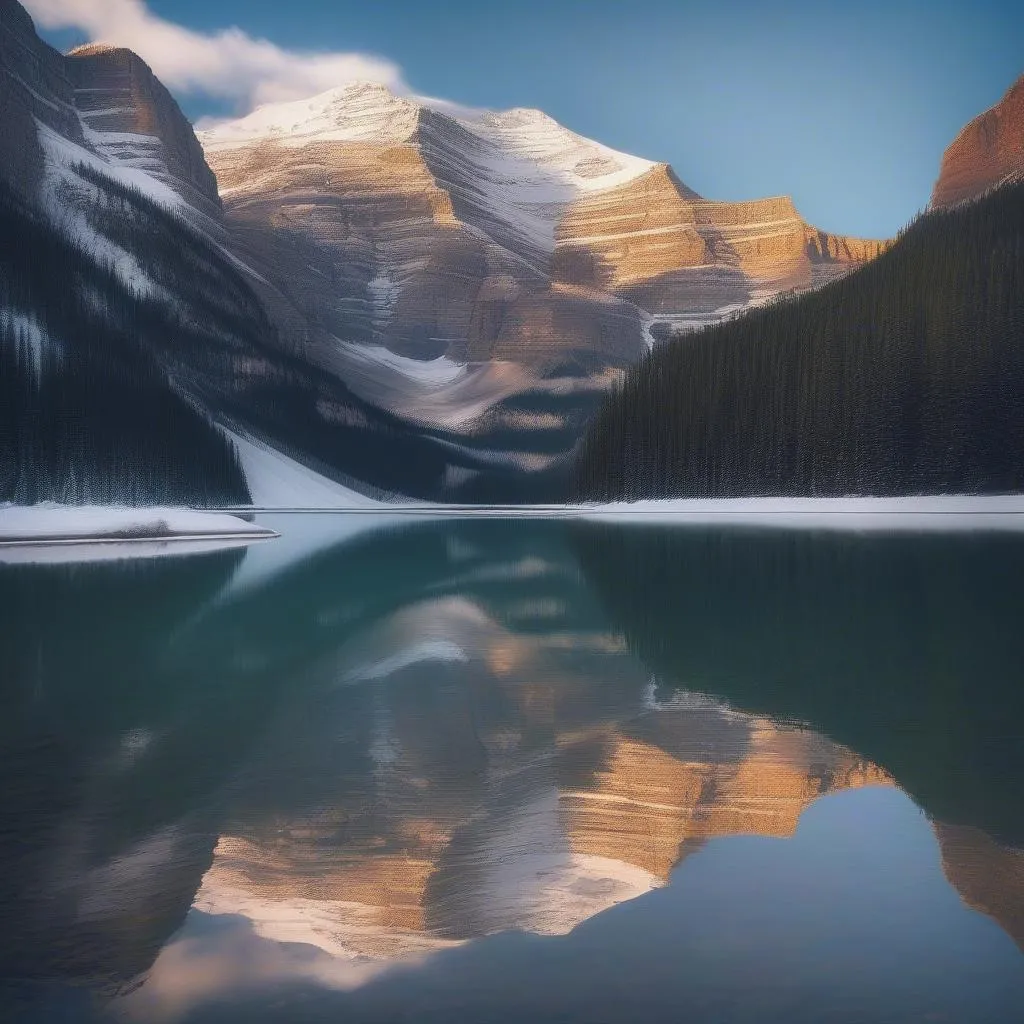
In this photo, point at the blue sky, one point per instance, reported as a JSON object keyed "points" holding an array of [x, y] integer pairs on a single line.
{"points": [[845, 106]]}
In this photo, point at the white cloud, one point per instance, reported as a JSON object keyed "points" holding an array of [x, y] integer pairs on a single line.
{"points": [[228, 64]]}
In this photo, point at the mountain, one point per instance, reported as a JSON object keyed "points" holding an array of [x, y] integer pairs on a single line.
{"points": [[488, 274], [104, 100], [434, 230], [988, 151], [138, 361], [369, 293]]}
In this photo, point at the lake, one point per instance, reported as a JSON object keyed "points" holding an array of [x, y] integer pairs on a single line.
{"points": [[389, 768]]}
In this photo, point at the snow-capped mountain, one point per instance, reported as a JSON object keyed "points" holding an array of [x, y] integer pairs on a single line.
{"points": [[359, 290], [435, 230], [137, 361]]}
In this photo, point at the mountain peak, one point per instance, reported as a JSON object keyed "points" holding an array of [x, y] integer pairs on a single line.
{"points": [[523, 144], [354, 112], [94, 49]]}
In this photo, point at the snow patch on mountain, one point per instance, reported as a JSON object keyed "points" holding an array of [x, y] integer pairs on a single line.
{"points": [[574, 161], [276, 481], [428, 372], [62, 154], [66, 196]]}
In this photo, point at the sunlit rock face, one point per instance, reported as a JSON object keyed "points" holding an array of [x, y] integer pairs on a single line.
{"points": [[832, 256], [988, 875], [431, 229], [658, 244], [987, 151], [385, 221]]}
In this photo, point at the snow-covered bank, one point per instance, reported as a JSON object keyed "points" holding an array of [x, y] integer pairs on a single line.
{"points": [[937, 513], [71, 533]]}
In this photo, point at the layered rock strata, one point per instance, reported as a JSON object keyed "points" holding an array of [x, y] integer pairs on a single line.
{"points": [[432, 230], [130, 119]]}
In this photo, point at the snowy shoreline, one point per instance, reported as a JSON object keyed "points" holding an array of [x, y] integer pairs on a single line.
{"points": [[54, 533], [49, 525], [936, 513], [950, 512]]}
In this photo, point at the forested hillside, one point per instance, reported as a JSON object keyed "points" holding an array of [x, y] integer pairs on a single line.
{"points": [[905, 378], [86, 412]]}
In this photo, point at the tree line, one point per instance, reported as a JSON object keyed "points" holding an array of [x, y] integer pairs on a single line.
{"points": [[907, 377]]}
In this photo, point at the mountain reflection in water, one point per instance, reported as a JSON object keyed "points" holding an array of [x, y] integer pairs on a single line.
{"points": [[385, 764]]}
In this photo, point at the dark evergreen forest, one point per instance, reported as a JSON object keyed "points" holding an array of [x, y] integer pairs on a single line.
{"points": [[905, 378], [86, 413]]}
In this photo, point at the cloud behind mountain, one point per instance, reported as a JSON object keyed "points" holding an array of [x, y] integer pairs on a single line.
{"points": [[228, 64]]}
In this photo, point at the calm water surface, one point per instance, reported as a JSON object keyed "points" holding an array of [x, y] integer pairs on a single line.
{"points": [[400, 770]]}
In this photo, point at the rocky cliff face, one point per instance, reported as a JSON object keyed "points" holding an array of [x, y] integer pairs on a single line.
{"points": [[34, 86], [129, 118], [832, 256], [987, 151], [476, 235], [102, 99]]}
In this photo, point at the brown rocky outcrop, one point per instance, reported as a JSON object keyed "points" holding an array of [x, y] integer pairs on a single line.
{"points": [[833, 256], [988, 875], [987, 151]]}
